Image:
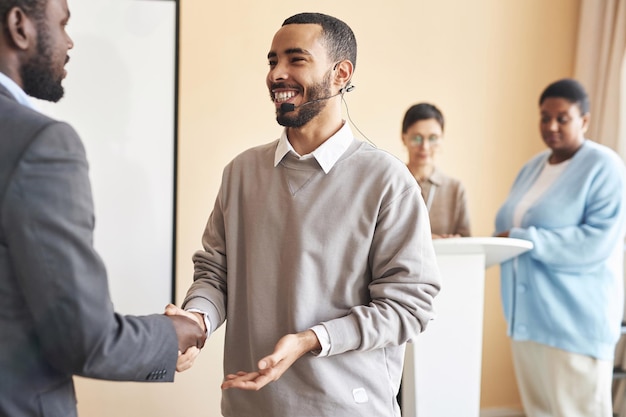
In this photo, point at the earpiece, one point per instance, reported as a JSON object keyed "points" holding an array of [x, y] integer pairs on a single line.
{"points": [[346, 89]]}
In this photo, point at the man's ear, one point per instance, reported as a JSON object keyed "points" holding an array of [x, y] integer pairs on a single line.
{"points": [[21, 29], [343, 72]]}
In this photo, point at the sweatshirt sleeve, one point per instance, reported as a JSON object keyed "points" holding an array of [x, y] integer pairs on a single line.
{"points": [[208, 292], [405, 280]]}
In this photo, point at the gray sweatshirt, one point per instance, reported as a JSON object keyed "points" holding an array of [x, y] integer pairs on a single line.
{"points": [[288, 247]]}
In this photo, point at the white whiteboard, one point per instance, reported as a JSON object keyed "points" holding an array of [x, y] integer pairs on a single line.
{"points": [[120, 97]]}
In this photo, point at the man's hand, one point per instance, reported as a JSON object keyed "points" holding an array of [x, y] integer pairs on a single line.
{"points": [[188, 331], [288, 349], [186, 360], [191, 352], [172, 310]]}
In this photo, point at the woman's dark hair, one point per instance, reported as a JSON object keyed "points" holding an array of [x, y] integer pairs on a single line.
{"points": [[421, 111], [339, 38], [569, 89]]}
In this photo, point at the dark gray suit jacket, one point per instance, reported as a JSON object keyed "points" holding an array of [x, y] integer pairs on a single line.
{"points": [[56, 316]]}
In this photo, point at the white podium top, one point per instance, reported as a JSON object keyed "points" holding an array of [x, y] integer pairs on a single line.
{"points": [[496, 249]]}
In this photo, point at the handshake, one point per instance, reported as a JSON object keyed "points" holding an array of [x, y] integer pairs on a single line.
{"points": [[191, 334]]}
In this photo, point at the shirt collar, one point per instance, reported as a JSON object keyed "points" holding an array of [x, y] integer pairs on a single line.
{"points": [[436, 177], [15, 90], [327, 154]]}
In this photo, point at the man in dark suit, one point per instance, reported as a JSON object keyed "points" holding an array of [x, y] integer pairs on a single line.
{"points": [[56, 317]]}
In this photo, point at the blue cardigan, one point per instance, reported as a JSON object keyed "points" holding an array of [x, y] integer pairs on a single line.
{"points": [[567, 292]]}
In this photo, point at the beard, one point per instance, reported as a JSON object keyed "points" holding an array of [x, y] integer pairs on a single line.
{"points": [[39, 78], [306, 113]]}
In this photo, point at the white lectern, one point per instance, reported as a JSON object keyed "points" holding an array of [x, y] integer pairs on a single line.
{"points": [[442, 369]]}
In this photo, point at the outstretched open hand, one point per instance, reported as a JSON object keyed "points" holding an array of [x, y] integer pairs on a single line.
{"points": [[288, 349]]}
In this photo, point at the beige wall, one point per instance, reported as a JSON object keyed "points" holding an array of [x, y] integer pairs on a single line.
{"points": [[484, 62]]}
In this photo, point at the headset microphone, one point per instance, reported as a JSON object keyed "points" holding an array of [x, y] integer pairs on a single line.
{"points": [[289, 107]]}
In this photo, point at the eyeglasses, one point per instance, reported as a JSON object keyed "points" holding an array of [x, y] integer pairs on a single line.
{"points": [[418, 140]]}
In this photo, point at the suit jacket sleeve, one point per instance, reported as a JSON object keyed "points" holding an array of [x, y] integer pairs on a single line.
{"points": [[49, 222]]}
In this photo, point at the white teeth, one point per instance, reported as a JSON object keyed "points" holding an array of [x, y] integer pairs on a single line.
{"points": [[281, 96]]}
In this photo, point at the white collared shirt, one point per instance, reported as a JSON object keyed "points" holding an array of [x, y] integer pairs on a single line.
{"points": [[327, 154], [16, 91]]}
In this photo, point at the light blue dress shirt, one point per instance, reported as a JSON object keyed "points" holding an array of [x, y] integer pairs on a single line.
{"points": [[16, 91]]}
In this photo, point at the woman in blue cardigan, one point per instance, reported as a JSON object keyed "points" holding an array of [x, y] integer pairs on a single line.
{"points": [[563, 300]]}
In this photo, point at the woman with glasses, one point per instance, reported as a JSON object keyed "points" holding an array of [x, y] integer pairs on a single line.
{"points": [[563, 300], [422, 134]]}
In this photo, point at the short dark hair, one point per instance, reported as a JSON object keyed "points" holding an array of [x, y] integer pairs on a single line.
{"points": [[570, 90], [421, 111], [337, 35], [34, 8]]}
